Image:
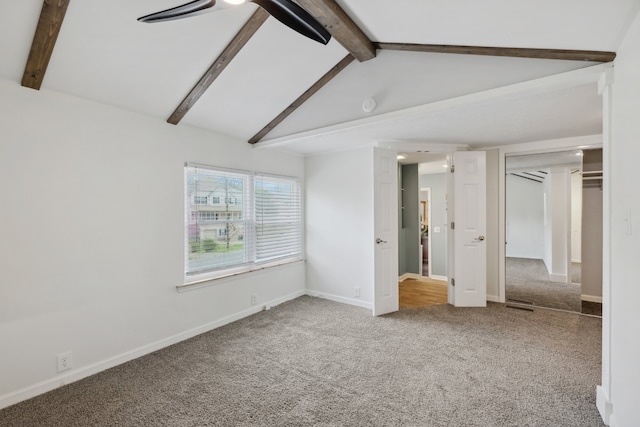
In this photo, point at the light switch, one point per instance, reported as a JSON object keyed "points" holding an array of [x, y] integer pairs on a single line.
{"points": [[436, 229]]}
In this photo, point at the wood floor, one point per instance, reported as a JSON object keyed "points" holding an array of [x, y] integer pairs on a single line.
{"points": [[422, 293]]}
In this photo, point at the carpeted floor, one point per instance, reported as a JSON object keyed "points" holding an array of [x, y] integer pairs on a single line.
{"points": [[528, 280], [313, 362]]}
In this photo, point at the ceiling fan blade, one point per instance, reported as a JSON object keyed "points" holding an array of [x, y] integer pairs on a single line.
{"points": [[178, 12], [296, 18]]}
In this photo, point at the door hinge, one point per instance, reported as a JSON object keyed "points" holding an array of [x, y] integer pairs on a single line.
{"points": [[453, 281], [453, 168], [453, 225]]}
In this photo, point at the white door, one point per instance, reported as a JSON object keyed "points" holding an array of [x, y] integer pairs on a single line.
{"points": [[470, 222], [385, 224]]}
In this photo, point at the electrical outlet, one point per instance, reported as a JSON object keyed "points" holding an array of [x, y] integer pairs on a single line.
{"points": [[356, 292], [254, 299], [64, 361]]}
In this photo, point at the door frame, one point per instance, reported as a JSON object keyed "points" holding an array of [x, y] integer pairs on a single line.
{"points": [[428, 191], [550, 146], [447, 150]]}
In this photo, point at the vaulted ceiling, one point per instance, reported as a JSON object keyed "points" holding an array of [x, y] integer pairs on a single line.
{"points": [[240, 72]]}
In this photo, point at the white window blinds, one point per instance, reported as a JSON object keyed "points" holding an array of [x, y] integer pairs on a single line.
{"points": [[278, 213], [235, 220]]}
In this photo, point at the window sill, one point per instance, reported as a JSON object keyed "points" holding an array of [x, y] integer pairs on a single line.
{"points": [[210, 281]]}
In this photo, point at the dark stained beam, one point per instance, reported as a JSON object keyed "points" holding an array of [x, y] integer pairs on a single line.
{"points": [[569, 55], [227, 55], [44, 40], [303, 98], [341, 27]]}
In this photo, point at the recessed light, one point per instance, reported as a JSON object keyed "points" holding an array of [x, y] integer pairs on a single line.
{"points": [[401, 157]]}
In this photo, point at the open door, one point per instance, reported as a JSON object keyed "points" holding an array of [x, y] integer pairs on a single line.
{"points": [[468, 283], [385, 203]]}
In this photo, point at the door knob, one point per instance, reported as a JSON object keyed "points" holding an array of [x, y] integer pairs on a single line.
{"points": [[379, 240], [481, 238]]}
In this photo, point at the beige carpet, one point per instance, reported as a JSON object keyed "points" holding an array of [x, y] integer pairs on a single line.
{"points": [[312, 362], [527, 280]]}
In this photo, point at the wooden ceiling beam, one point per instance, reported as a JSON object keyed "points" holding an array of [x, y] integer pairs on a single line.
{"points": [[44, 40], [562, 54], [341, 27], [227, 55], [303, 98]]}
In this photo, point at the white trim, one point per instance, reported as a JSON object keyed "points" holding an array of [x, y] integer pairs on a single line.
{"points": [[86, 371], [259, 268], [558, 278], [406, 276], [604, 405], [425, 145], [493, 298], [558, 81], [591, 298], [337, 298], [444, 278]]}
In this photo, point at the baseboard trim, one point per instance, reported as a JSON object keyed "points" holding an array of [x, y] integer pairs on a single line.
{"points": [[86, 371], [591, 298], [558, 278], [493, 298], [605, 407], [435, 277], [343, 300], [406, 276]]}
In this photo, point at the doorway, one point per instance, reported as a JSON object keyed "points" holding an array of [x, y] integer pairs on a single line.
{"points": [[545, 195], [422, 229]]}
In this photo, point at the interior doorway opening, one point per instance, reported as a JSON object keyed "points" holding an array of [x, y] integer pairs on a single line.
{"points": [[553, 218], [422, 230]]}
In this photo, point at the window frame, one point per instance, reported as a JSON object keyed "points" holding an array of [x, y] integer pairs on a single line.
{"points": [[249, 237]]}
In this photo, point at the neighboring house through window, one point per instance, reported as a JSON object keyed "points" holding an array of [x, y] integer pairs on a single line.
{"points": [[260, 222]]}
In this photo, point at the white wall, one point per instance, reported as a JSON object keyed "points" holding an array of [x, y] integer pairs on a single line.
{"points": [[91, 237], [339, 226], [621, 322], [525, 218]]}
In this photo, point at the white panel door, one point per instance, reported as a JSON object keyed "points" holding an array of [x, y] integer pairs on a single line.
{"points": [[385, 202], [470, 212]]}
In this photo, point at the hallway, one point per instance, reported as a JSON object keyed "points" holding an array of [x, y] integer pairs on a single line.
{"points": [[422, 293]]}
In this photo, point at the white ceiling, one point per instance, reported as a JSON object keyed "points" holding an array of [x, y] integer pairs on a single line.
{"points": [[528, 162], [105, 55]]}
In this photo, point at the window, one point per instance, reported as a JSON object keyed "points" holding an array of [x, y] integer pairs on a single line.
{"points": [[260, 222], [278, 207]]}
